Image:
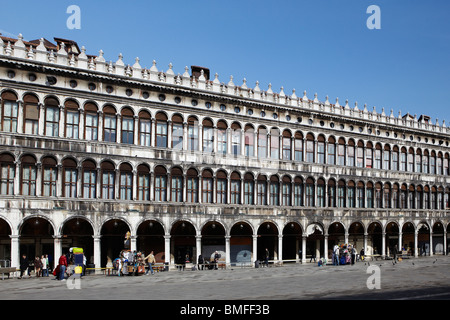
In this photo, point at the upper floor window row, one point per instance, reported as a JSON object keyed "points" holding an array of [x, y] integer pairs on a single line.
{"points": [[180, 133]]}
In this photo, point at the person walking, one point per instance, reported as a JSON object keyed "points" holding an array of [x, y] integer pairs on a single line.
{"points": [[200, 262], [216, 260], [353, 255], [23, 265], [266, 261], [37, 266], [62, 267], [44, 266], [336, 255], [150, 261]]}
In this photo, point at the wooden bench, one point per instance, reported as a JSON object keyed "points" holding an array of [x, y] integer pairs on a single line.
{"points": [[7, 271]]}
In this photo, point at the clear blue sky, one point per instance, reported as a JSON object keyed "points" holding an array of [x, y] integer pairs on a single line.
{"points": [[321, 46]]}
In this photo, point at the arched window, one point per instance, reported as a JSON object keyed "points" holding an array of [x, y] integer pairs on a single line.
{"points": [[351, 194], [7, 174], [126, 182], [235, 138], [433, 162], [286, 145], [274, 191], [341, 194], [331, 193], [143, 182], [351, 153], [286, 191], [29, 174], [208, 136], [411, 160], [321, 193], [127, 126], [177, 132], [109, 124], [274, 143], [309, 148], [51, 117], [90, 122], [404, 196], [369, 154], [108, 179], [192, 133], [439, 168], [31, 114], [331, 159], [145, 128], [425, 158], [222, 137], [446, 165], [377, 156], [262, 143], [426, 197], [298, 146], [321, 149], [419, 160], [403, 159], [395, 196], [72, 119], [70, 178], [387, 196], [298, 192], [387, 157], [262, 190], [309, 193], [192, 186], [395, 159], [360, 154], [161, 130], [160, 184], [89, 179], [360, 194], [378, 195], [249, 141], [419, 195], [370, 195], [235, 188], [411, 197], [176, 185], [249, 188], [10, 111], [341, 152], [221, 187], [207, 186]]}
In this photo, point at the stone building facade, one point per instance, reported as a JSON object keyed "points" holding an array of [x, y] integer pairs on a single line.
{"points": [[91, 149]]}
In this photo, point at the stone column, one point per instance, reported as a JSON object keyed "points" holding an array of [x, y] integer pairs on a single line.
{"points": [[325, 247], [280, 248], [304, 249], [57, 252], [198, 246], [97, 253], [227, 251], [255, 248], [383, 244], [431, 243], [15, 251], [416, 249], [167, 249], [133, 243]]}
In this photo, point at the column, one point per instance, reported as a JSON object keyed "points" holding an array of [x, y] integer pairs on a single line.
{"points": [[167, 248], [227, 251], [383, 244], [169, 134], [100, 125], [304, 249], [118, 128], [136, 130], [416, 249], [445, 242], [15, 251], [17, 176], [81, 121], [365, 242], [62, 121], [57, 252], [41, 122], [400, 241], [38, 179], [20, 117], [97, 252], [280, 248], [198, 246], [59, 181], [431, 243], [133, 243], [255, 248], [325, 247], [135, 186], [346, 237], [242, 151], [79, 181]]}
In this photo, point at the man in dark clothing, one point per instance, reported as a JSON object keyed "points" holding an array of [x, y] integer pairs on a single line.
{"points": [[23, 265]]}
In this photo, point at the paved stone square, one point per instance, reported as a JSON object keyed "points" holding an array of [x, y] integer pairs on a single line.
{"points": [[421, 278]]}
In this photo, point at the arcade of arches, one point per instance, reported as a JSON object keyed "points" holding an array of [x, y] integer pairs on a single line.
{"points": [[237, 241]]}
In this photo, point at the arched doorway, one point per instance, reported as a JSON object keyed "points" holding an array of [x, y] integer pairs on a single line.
{"points": [[423, 238], [182, 242], [356, 235], [336, 236], [292, 241], [5, 241], [241, 249], [408, 232], [438, 238], [375, 241], [112, 239], [267, 239], [392, 238], [78, 232], [36, 239], [315, 241], [213, 239], [150, 237]]}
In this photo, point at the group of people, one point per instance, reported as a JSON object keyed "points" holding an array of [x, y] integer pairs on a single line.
{"points": [[207, 264], [40, 265], [65, 262], [345, 254], [136, 260]]}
